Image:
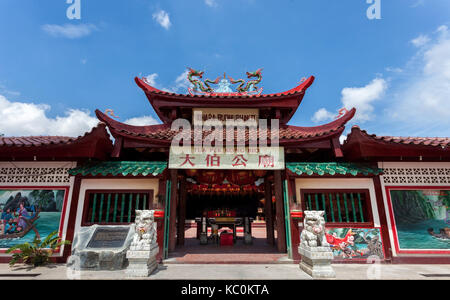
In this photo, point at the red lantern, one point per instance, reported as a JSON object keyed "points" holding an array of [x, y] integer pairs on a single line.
{"points": [[191, 173], [241, 178], [259, 173], [159, 214], [211, 177], [296, 214]]}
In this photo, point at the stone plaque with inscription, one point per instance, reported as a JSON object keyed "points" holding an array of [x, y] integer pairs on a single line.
{"points": [[104, 237], [99, 247]]}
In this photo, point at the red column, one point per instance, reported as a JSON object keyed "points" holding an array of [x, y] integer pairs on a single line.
{"points": [[268, 211], [295, 233], [181, 213], [281, 228], [160, 221], [383, 219], [72, 217], [173, 208]]}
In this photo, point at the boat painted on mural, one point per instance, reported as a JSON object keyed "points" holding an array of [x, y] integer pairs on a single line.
{"points": [[443, 235], [30, 225], [29, 213]]}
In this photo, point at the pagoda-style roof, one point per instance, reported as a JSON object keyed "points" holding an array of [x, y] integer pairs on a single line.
{"points": [[323, 136], [170, 106], [362, 145], [93, 144]]}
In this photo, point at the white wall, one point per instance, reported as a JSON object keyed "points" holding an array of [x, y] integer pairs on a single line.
{"points": [[340, 183]]}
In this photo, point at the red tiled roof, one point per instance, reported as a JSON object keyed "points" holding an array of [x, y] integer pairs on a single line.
{"points": [[164, 134], [36, 141], [30, 141], [93, 144], [359, 144], [441, 142], [301, 88]]}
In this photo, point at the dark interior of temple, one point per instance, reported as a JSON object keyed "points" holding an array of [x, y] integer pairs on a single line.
{"points": [[245, 204]]}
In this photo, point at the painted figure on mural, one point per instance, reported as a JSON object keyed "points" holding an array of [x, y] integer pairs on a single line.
{"points": [[23, 216], [355, 243]]}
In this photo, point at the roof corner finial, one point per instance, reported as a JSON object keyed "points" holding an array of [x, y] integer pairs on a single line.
{"points": [[342, 112], [110, 112]]}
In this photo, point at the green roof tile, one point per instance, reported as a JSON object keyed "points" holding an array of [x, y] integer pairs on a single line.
{"points": [[124, 168], [332, 168]]}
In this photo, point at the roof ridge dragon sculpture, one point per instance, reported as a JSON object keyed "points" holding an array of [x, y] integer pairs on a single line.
{"points": [[204, 88]]}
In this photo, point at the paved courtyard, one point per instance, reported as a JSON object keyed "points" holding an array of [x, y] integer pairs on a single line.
{"points": [[236, 272]]}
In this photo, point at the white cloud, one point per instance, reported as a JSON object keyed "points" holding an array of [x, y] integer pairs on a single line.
{"points": [[151, 79], [29, 119], [322, 115], [22, 119], [420, 41], [141, 121], [423, 100], [211, 3], [362, 98], [7, 91], [180, 85], [162, 18], [394, 70], [70, 31]]}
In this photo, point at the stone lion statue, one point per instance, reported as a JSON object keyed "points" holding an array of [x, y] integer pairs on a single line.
{"points": [[145, 230], [313, 234]]}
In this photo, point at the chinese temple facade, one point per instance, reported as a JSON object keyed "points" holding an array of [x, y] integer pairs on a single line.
{"points": [[384, 197]]}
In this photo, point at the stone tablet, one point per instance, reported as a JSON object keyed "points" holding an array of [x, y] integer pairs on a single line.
{"points": [[104, 237]]}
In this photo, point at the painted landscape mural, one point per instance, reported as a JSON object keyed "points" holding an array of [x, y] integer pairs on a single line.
{"points": [[29, 213], [422, 218], [355, 243]]}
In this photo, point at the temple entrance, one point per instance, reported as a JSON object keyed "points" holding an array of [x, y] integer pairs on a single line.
{"points": [[226, 222]]}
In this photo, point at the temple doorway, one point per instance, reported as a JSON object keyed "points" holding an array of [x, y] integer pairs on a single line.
{"points": [[226, 220]]}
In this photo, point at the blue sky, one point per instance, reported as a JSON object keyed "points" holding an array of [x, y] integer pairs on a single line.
{"points": [[54, 72]]}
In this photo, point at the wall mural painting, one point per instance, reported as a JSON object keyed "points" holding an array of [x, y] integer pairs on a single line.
{"points": [[355, 243], [26, 213], [422, 218]]}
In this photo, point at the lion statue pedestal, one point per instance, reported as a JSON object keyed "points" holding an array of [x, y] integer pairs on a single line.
{"points": [[314, 249], [144, 248]]}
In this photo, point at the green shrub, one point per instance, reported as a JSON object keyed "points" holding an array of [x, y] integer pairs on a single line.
{"points": [[37, 253]]}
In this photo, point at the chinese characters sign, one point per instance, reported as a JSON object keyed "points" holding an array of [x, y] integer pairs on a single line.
{"points": [[266, 158], [224, 114]]}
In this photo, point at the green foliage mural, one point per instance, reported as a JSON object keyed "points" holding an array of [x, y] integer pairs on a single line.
{"points": [[422, 218]]}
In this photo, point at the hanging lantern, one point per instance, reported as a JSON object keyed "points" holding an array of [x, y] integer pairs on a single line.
{"points": [[241, 177], [210, 177], [191, 173], [260, 173]]}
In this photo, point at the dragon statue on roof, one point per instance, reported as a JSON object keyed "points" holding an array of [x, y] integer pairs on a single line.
{"points": [[204, 87], [251, 84], [199, 85]]}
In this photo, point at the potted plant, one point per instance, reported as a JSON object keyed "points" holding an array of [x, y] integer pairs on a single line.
{"points": [[38, 252]]}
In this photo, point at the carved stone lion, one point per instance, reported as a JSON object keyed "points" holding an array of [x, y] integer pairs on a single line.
{"points": [[313, 234], [145, 230]]}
